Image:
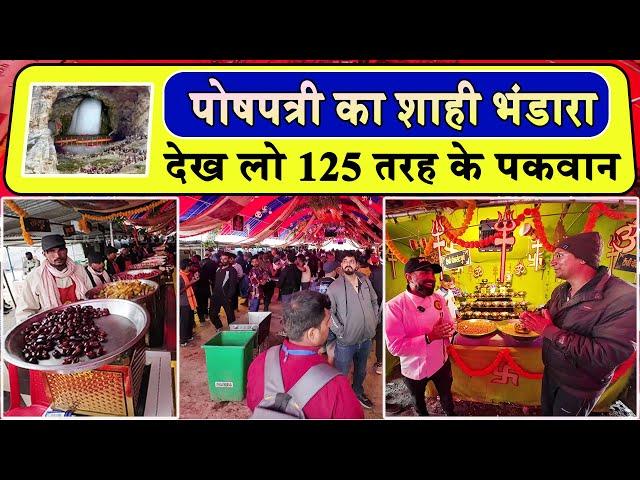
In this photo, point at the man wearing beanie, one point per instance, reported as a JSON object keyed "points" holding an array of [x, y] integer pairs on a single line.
{"points": [[588, 325]]}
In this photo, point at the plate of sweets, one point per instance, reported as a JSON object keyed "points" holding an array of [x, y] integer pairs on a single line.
{"points": [[517, 330], [476, 327]]}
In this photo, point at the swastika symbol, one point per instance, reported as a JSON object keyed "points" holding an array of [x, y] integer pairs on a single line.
{"points": [[504, 375]]}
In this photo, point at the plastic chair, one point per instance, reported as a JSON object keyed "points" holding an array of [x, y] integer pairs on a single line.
{"points": [[39, 398]]}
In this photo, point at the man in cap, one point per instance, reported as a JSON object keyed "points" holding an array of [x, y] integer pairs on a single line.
{"points": [[56, 282], [95, 270], [418, 326], [588, 325]]}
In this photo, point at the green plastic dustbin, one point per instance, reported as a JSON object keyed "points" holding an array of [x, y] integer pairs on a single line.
{"points": [[228, 355]]}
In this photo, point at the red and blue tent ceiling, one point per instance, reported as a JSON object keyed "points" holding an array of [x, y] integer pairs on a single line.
{"points": [[261, 215]]}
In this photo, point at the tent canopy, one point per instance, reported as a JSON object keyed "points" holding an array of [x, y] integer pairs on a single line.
{"points": [[408, 220], [157, 217], [290, 219]]}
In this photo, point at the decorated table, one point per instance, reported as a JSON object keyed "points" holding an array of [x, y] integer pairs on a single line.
{"points": [[500, 368]]}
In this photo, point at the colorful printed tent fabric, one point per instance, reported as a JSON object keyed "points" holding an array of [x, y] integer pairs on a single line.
{"points": [[293, 219]]}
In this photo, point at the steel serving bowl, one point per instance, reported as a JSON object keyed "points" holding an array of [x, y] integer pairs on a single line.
{"points": [[125, 326]]}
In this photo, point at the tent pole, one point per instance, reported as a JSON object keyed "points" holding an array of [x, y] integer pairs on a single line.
{"points": [[6, 282], [111, 232], [10, 265]]}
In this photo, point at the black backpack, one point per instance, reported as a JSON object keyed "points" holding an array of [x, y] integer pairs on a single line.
{"points": [[280, 405]]}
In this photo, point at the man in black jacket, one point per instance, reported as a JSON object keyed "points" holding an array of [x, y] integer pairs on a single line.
{"points": [[208, 274], [588, 325], [224, 286], [290, 278], [112, 267]]}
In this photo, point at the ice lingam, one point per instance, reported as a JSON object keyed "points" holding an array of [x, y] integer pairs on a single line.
{"points": [[83, 135]]}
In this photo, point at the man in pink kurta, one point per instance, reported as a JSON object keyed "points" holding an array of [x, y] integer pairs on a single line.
{"points": [[418, 328]]}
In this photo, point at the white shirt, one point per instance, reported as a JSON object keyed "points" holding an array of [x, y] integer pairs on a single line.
{"points": [[406, 326], [28, 265], [28, 303], [449, 297]]}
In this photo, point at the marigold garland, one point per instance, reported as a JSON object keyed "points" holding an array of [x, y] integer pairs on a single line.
{"points": [[126, 213], [83, 225], [22, 214], [503, 355], [428, 248], [14, 206], [601, 209], [26, 235], [426, 245], [458, 232], [454, 234], [401, 258], [534, 213], [449, 229]]}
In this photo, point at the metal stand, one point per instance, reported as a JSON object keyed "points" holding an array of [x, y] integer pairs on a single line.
{"points": [[6, 282]]}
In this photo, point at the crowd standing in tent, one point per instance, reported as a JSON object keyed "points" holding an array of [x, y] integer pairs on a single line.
{"points": [[351, 280]]}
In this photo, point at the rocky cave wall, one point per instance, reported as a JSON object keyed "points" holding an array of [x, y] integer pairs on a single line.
{"points": [[128, 109]]}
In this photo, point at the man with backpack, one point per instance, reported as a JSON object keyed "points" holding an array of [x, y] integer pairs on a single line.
{"points": [[300, 383]]}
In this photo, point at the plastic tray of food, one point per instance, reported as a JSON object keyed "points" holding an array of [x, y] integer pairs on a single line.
{"points": [[124, 326], [125, 290]]}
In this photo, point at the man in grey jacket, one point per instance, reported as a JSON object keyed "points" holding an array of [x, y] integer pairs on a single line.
{"points": [[588, 325], [355, 315]]}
